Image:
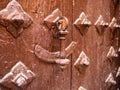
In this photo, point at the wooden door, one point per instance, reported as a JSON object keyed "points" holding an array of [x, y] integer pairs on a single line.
{"points": [[51, 76], [94, 45]]}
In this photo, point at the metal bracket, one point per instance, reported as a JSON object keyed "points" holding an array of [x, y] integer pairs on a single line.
{"points": [[113, 25], [112, 52], [100, 25], [82, 62], [82, 23], [81, 88], [110, 80], [19, 75], [14, 18], [59, 22]]}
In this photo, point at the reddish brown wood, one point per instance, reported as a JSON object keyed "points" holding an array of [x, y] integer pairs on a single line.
{"points": [[95, 46]]}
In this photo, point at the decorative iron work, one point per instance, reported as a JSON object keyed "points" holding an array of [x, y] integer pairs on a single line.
{"points": [[60, 23]]}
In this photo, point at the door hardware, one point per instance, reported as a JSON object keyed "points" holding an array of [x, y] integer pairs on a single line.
{"points": [[14, 18], [56, 21], [110, 80], [82, 23], [112, 52], [113, 24], [82, 62], [19, 75], [52, 19], [81, 88], [100, 25]]}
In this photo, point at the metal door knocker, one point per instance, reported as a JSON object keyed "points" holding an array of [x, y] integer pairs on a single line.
{"points": [[61, 23]]}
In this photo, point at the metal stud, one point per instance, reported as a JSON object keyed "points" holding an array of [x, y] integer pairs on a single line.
{"points": [[14, 18], [51, 20], [82, 62], [19, 75], [112, 52], [100, 25], [113, 24], [110, 80], [82, 23], [81, 88]]}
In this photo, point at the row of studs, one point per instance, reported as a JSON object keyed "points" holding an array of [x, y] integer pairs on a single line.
{"points": [[100, 24]]}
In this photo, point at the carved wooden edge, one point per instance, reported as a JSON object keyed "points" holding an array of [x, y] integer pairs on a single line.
{"points": [[19, 76], [14, 18], [54, 57], [100, 25]]}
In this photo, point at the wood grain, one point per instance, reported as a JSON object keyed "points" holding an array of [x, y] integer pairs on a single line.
{"points": [[50, 76]]}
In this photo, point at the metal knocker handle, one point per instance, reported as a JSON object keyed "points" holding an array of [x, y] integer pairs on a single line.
{"points": [[60, 57]]}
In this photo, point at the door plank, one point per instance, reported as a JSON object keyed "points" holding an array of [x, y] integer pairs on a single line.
{"points": [[94, 45], [48, 76]]}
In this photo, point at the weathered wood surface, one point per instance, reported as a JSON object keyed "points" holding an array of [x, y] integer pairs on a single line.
{"points": [[50, 76], [95, 46]]}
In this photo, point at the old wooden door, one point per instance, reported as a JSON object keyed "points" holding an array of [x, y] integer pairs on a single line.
{"points": [[50, 76]]}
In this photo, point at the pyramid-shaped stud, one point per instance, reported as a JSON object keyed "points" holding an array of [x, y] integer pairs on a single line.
{"points": [[81, 88], [14, 18], [100, 25], [110, 80], [82, 60], [118, 72], [112, 52], [82, 63], [19, 75], [51, 19], [113, 24], [82, 23]]}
